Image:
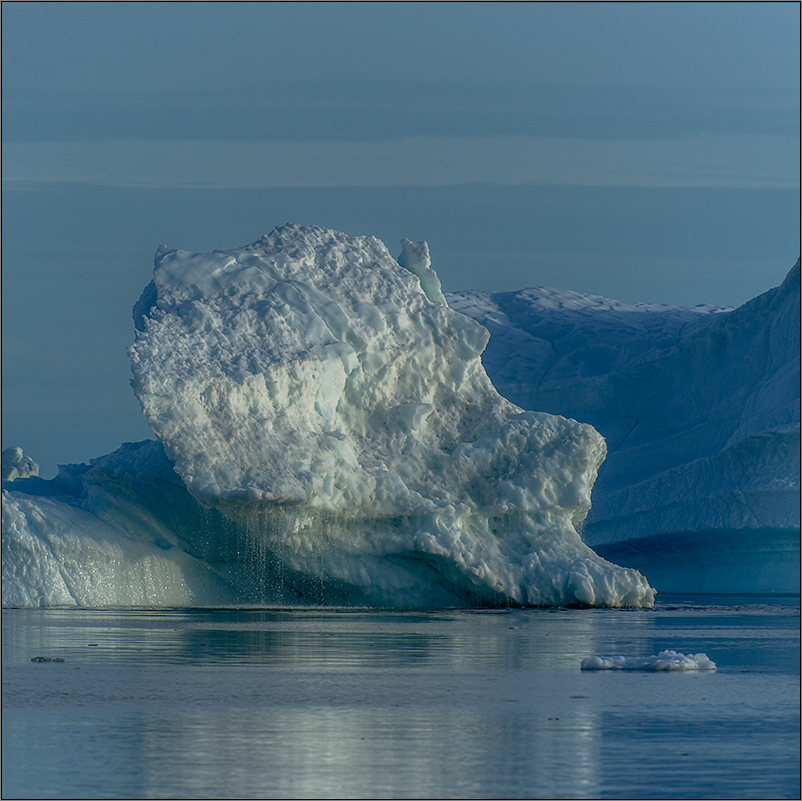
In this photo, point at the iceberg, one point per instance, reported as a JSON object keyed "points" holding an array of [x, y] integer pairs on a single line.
{"points": [[327, 433], [17, 465], [108, 533], [700, 410], [665, 660]]}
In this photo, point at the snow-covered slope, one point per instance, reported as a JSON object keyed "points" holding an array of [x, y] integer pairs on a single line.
{"points": [[700, 409], [337, 440]]}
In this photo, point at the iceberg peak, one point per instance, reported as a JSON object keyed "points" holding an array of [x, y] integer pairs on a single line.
{"points": [[415, 258], [17, 465]]}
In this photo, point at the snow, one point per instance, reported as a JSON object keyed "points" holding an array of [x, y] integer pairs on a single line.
{"points": [[665, 660], [329, 435], [700, 410]]}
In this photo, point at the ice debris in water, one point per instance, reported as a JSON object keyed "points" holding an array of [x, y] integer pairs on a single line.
{"points": [[665, 660]]}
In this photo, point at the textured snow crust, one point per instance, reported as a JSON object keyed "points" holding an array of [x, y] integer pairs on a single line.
{"points": [[327, 434], [665, 660], [700, 410]]}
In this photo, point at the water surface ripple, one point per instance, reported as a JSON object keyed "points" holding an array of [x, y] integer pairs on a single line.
{"points": [[323, 703]]}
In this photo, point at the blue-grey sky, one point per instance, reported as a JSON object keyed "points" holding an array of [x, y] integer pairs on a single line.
{"points": [[644, 151]]}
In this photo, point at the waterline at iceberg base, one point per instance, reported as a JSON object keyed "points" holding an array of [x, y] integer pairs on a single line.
{"points": [[327, 434]]}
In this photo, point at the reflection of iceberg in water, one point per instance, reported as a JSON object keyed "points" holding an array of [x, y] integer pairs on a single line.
{"points": [[327, 435], [324, 703], [325, 753], [400, 705], [436, 704]]}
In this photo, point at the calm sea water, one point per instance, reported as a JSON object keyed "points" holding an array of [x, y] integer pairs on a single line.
{"points": [[322, 703]]}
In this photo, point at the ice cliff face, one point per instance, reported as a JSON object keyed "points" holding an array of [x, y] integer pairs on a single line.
{"points": [[700, 409], [337, 440], [119, 531]]}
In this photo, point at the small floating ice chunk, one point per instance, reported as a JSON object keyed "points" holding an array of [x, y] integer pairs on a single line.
{"points": [[665, 660]]}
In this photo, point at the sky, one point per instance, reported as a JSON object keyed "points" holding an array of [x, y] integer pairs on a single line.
{"points": [[641, 151]]}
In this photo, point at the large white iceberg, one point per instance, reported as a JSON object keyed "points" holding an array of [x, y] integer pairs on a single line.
{"points": [[700, 409], [327, 434]]}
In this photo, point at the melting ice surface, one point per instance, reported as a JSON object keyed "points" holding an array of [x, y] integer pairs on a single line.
{"points": [[327, 434], [665, 660]]}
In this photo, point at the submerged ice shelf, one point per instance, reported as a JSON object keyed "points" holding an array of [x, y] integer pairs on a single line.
{"points": [[327, 434]]}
